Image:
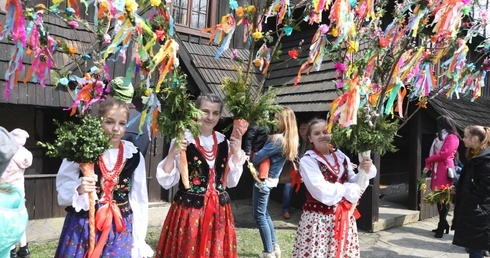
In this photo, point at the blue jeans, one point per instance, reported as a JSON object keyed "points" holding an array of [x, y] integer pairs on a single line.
{"points": [[475, 253], [260, 199], [286, 197]]}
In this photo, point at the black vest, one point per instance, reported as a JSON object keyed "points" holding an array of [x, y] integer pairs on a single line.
{"points": [[120, 193], [199, 177]]}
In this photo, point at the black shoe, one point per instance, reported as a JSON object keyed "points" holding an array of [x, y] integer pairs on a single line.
{"points": [[446, 228], [13, 254], [441, 227], [24, 252]]}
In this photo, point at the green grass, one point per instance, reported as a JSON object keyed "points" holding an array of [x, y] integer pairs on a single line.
{"points": [[248, 241]]}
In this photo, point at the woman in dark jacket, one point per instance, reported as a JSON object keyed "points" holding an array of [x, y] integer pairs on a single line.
{"points": [[472, 203]]}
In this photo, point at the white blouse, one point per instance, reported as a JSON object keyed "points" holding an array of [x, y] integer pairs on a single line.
{"points": [[324, 191], [68, 179], [167, 180]]}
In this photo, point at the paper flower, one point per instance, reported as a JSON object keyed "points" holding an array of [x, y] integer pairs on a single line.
{"points": [[340, 68], [233, 4], [70, 11], [131, 6], [383, 42], [72, 24], [288, 30], [293, 54], [257, 35], [155, 2], [324, 28], [239, 12], [234, 54]]}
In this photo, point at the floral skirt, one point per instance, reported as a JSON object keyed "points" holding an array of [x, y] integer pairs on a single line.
{"points": [[74, 238], [182, 232], [315, 237]]}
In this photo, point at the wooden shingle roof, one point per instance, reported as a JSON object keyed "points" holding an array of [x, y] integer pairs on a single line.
{"points": [[316, 90], [32, 93], [207, 71], [463, 111]]}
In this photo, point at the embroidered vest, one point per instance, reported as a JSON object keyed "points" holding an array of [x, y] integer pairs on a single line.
{"points": [[199, 177], [311, 203], [120, 193]]}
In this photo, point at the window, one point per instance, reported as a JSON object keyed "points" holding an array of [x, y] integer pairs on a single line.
{"points": [[194, 17]]}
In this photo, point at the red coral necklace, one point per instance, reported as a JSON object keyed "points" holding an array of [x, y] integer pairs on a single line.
{"points": [[208, 155], [335, 168], [110, 175]]}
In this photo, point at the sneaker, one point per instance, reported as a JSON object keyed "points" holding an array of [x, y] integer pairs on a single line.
{"points": [[267, 255], [277, 251], [286, 215], [13, 254], [24, 252]]}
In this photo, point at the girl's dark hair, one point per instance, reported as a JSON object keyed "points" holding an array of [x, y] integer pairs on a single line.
{"points": [[211, 98], [109, 103], [445, 122]]}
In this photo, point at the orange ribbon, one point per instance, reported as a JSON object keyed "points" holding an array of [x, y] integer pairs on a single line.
{"points": [[104, 217], [341, 227]]}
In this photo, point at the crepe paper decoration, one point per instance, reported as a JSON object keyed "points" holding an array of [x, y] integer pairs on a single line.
{"points": [[342, 19], [120, 41], [222, 33], [315, 58], [263, 58], [167, 55], [91, 91], [279, 7], [318, 7], [447, 18], [42, 63], [14, 25]]}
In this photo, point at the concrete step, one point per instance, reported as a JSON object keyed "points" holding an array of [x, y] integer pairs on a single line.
{"points": [[391, 217]]}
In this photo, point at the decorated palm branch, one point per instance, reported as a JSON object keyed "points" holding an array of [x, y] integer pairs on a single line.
{"points": [[82, 143], [178, 113]]}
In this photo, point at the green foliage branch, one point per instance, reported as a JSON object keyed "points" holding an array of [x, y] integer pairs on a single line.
{"points": [[81, 142], [370, 133], [178, 110]]}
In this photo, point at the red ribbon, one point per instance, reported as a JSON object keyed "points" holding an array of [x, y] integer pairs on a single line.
{"points": [[104, 217], [211, 204], [295, 179], [341, 227]]}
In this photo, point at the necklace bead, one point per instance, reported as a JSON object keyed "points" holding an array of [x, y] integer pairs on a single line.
{"points": [[208, 155], [335, 168]]}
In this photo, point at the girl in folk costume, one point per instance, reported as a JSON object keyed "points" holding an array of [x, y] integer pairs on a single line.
{"points": [[200, 222], [120, 184], [279, 147], [329, 217], [441, 156]]}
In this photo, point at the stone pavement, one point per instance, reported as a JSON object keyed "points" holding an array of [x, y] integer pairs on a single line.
{"points": [[409, 240]]}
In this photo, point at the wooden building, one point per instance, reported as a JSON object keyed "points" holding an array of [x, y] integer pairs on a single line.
{"points": [[33, 108]]}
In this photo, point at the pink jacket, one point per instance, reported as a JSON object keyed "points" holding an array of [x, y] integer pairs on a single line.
{"points": [[15, 171], [441, 157]]}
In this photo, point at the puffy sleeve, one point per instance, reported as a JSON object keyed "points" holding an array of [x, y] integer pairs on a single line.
{"points": [[67, 182], [235, 172], [138, 199], [319, 188], [167, 180]]}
